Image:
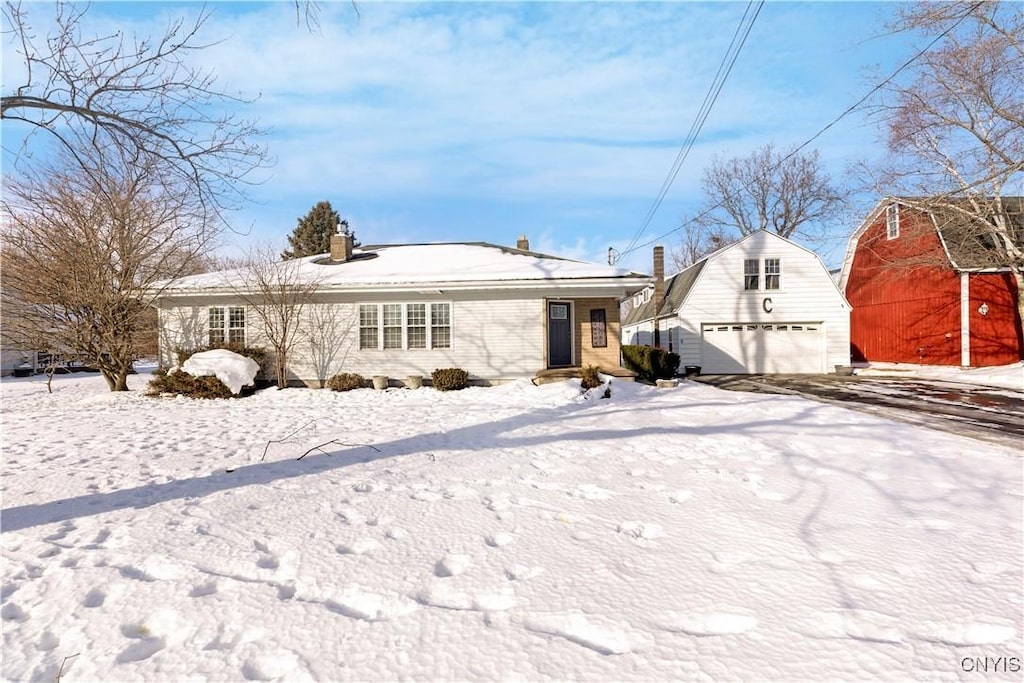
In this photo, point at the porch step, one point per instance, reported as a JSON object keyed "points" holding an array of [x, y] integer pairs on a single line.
{"points": [[562, 374]]}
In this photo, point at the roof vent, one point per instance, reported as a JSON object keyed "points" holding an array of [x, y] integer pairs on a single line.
{"points": [[522, 243]]}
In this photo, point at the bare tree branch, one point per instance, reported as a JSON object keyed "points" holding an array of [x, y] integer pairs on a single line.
{"points": [[276, 292], [139, 95], [956, 131], [788, 194], [85, 250]]}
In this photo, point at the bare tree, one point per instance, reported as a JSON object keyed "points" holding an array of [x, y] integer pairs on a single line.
{"points": [[789, 194], [329, 336], [956, 129], [696, 242], [85, 249], [138, 95], [276, 292]]}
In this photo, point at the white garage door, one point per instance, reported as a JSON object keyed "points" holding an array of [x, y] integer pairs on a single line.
{"points": [[762, 348]]}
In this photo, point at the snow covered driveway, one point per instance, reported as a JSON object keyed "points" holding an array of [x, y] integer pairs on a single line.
{"points": [[518, 532]]}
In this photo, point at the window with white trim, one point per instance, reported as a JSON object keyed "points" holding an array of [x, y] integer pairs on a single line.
{"points": [[416, 326], [226, 325], [892, 221], [405, 326], [751, 274], [368, 326], [441, 326], [752, 269], [772, 273], [392, 326]]}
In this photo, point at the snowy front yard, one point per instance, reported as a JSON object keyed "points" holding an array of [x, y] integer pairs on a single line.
{"points": [[517, 532]]}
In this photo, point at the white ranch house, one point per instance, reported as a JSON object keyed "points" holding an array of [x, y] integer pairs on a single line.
{"points": [[760, 305], [403, 310]]}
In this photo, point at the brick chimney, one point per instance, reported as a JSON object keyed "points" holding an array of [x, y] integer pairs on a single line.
{"points": [[341, 245], [522, 243], [658, 297]]}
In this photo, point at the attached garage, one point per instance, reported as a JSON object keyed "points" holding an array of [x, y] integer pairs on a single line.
{"points": [[751, 348]]}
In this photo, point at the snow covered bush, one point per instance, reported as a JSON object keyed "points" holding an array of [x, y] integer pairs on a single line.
{"points": [[449, 379], [218, 373], [257, 353], [346, 381]]}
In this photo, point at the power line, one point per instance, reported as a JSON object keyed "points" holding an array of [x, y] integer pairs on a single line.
{"points": [[633, 246], [724, 69]]}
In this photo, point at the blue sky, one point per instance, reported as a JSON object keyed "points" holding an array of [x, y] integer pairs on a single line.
{"points": [[428, 122]]}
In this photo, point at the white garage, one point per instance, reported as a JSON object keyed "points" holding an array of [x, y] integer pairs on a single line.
{"points": [[759, 305], [763, 348]]}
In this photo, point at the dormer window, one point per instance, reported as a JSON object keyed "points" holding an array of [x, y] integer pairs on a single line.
{"points": [[892, 221]]}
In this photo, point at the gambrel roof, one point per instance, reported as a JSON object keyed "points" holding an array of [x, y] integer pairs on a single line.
{"points": [[679, 286], [967, 244]]}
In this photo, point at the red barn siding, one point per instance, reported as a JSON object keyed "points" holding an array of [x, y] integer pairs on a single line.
{"points": [[906, 301], [995, 336]]}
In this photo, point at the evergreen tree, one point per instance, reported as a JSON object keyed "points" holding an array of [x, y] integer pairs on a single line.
{"points": [[313, 233]]}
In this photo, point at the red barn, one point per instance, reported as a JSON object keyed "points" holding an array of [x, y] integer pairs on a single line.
{"points": [[926, 288]]}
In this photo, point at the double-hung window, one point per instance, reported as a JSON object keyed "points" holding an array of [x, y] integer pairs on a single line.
{"points": [[772, 273], [416, 326], [751, 274], [753, 269], [441, 326], [368, 326], [405, 326], [226, 325], [392, 326]]}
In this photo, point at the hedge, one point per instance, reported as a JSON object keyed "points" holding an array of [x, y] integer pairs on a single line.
{"points": [[650, 363]]}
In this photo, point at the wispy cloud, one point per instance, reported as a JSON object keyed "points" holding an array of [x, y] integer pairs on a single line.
{"points": [[412, 112]]}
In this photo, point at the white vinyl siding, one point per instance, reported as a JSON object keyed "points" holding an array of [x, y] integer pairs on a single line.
{"points": [[807, 295]]}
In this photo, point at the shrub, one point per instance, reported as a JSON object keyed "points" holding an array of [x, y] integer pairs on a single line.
{"points": [[669, 365], [346, 381], [589, 377], [183, 384], [649, 362], [449, 379]]}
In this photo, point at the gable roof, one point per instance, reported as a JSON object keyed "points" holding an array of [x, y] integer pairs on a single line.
{"points": [[460, 264], [965, 246]]}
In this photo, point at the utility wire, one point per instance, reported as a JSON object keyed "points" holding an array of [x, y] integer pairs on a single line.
{"points": [[817, 135], [724, 69]]}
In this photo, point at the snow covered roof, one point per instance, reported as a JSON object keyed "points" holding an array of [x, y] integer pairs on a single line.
{"points": [[426, 265]]}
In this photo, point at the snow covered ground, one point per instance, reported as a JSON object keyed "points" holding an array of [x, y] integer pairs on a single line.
{"points": [[510, 533], [1004, 376]]}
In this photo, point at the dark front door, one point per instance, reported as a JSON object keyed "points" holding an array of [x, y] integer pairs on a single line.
{"points": [[559, 334]]}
